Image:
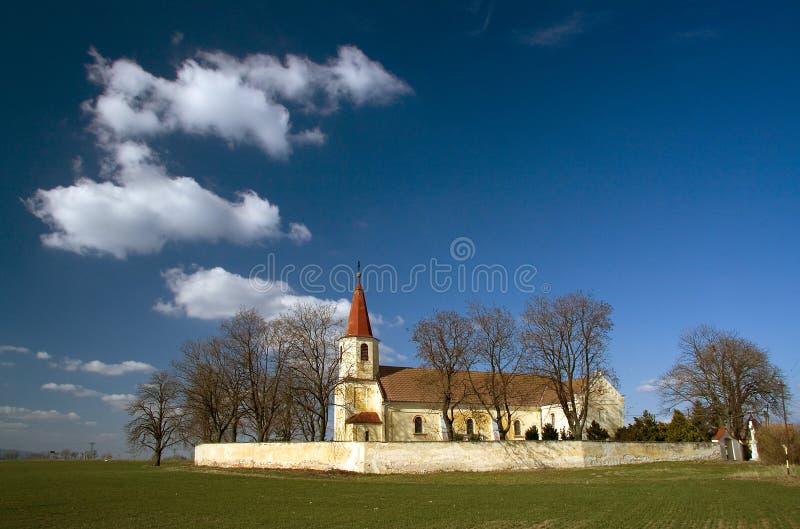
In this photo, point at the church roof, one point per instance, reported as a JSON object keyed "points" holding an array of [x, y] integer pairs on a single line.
{"points": [[418, 384], [365, 417], [358, 322]]}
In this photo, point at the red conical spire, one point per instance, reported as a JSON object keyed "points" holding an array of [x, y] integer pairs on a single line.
{"points": [[358, 322]]}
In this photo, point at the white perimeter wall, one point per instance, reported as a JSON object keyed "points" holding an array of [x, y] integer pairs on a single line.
{"points": [[415, 458]]}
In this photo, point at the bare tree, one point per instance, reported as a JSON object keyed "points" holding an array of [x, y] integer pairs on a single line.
{"points": [[565, 342], [212, 387], [258, 349], [444, 344], [496, 349], [312, 330], [157, 421], [730, 377]]}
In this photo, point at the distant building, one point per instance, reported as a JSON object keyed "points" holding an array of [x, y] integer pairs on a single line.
{"points": [[387, 403], [729, 447]]}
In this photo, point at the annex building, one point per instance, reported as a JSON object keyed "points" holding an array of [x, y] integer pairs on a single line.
{"points": [[382, 403]]}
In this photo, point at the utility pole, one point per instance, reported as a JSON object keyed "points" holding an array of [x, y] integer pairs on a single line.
{"points": [[91, 450], [785, 426]]}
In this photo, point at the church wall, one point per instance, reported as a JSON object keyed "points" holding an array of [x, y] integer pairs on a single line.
{"points": [[400, 422], [415, 458]]}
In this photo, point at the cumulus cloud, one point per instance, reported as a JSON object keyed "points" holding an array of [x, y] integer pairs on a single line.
{"points": [[101, 368], [240, 100], [116, 401], [648, 386], [43, 355], [142, 207], [215, 293], [137, 206], [25, 414], [557, 34]]}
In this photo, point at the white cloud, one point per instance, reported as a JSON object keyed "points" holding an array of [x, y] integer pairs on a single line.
{"points": [[557, 34], [143, 207], [13, 349], [128, 366], [26, 414], [101, 368], [117, 401], [43, 355], [398, 321], [239, 100], [73, 389], [648, 386], [299, 233], [216, 293], [390, 356], [7, 364], [138, 206]]}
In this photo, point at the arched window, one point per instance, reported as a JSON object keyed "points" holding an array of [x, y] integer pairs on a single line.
{"points": [[470, 427], [366, 435], [364, 352], [417, 424], [517, 428]]}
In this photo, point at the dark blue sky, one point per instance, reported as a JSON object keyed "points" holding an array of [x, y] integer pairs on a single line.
{"points": [[645, 154]]}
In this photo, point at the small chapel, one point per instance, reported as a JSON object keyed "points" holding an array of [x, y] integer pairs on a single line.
{"points": [[374, 402]]}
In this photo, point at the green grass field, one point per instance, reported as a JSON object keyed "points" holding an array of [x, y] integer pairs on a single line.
{"points": [[127, 494]]}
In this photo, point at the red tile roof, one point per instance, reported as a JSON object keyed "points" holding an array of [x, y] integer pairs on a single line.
{"points": [[721, 432], [358, 322], [365, 417], [418, 384]]}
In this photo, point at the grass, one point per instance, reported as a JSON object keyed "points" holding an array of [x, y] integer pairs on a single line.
{"points": [[130, 494]]}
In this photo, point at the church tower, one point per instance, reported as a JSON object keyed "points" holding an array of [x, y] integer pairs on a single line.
{"points": [[358, 404], [358, 347]]}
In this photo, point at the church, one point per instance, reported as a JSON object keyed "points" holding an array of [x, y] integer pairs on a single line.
{"points": [[374, 402]]}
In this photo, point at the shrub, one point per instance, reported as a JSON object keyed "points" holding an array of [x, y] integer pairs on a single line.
{"points": [[532, 433], [644, 428], [566, 435], [681, 429], [770, 440], [549, 433], [595, 433]]}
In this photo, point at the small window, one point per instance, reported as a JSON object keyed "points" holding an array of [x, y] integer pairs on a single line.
{"points": [[364, 352], [417, 424], [366, 435], [553, 419], [517, 428], [470, 427]]}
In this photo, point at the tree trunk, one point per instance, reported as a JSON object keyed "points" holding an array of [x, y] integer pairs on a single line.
{"points": [[448, 422]]}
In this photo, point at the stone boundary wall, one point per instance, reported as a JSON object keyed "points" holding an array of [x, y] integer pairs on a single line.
{"points": [[423, 457]]}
